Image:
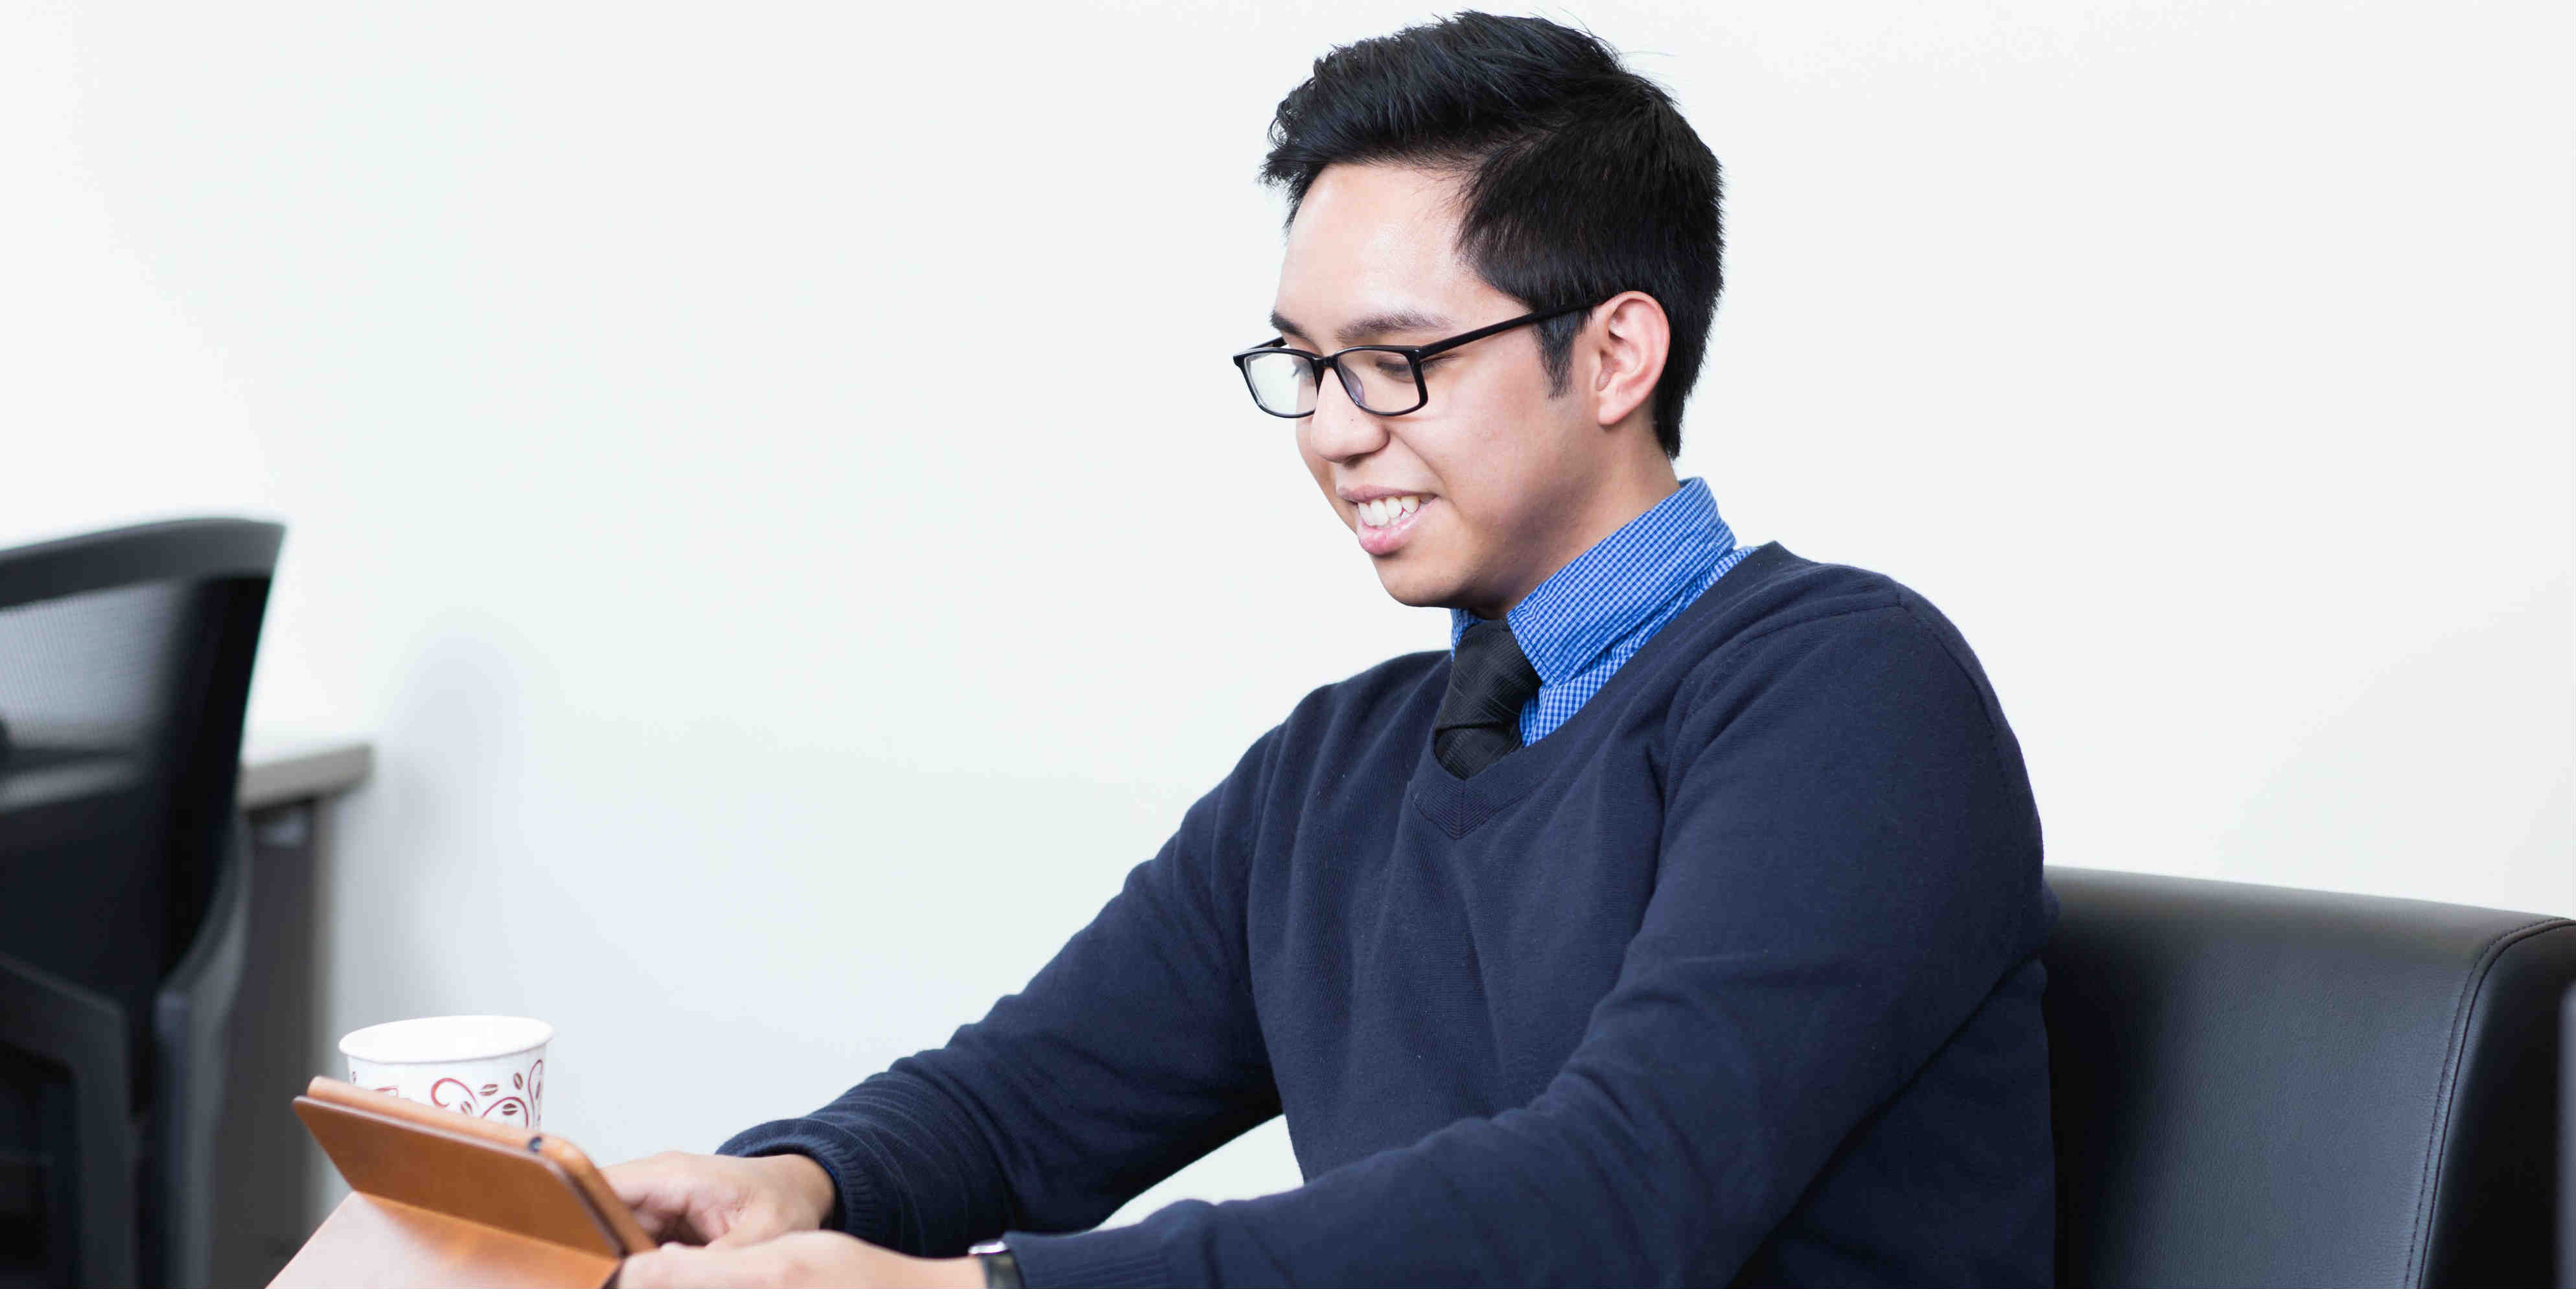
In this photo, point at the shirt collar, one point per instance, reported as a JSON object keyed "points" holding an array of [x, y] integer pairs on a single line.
{"points": [[1582, 609]]}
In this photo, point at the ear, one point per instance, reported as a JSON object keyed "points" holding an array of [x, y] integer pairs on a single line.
{"points": [[1631, 337]]}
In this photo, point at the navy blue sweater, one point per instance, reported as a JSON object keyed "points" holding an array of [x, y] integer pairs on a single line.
{"points": [[1731, 978]]}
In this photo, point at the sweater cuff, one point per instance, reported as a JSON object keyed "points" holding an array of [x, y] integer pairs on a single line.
{"points": [[858, 1208], [1100, 1259]]}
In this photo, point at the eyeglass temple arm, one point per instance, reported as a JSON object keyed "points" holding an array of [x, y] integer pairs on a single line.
{"points": [[1425, 351]]}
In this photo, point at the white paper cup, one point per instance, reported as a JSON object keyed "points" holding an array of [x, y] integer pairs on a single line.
{"points": [[490, 1067]]}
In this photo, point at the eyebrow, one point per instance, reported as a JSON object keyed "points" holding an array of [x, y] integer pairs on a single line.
{"points": [[1374, 326]]}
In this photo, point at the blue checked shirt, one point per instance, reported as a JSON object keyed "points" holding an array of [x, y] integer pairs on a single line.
{"points": [[1590, 617]]}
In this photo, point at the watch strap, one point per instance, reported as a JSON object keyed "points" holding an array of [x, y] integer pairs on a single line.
{"points": [[1001, 1270]]}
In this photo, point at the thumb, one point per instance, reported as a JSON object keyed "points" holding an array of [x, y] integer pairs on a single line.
{"points": [[660, 1269], [748, 1219]]}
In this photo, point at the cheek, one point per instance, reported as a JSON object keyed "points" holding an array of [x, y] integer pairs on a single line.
{"points": [[1519, 388], [1494, 406], [1502, 455]]}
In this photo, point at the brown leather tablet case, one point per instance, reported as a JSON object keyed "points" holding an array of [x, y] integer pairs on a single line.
{"points": [[447, 1200]]}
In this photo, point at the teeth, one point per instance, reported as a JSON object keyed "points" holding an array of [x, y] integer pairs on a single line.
{"points": [[1386, 510]]}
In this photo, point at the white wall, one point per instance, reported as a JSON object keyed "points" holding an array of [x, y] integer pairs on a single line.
{"points": [[689, 427]]}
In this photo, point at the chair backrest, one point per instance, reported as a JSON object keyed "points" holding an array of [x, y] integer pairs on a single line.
{"points": [[125, 662], [2567, 1141], [2255, 1085]]}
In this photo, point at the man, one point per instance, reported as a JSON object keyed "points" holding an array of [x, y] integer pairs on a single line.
{"points": [[1678, 925]]}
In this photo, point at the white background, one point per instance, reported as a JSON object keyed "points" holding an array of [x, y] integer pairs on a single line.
{"points": [[770, 485]]}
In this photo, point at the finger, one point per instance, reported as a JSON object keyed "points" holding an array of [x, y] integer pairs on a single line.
{"points": [[741, 1228], [673, 1266], [677, 1266], [645, 1189], [633, 1180], [655, 1222], [644, 1271]]}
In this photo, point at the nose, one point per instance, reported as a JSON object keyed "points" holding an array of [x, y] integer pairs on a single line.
{"points": [[1338, 430]]}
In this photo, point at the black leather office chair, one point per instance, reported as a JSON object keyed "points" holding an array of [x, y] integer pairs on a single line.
{"points": [[2567, 1141], [2255, 1085], [125, 662]]}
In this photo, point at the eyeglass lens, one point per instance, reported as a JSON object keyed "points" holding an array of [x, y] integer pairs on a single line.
{"points": [[1284, 382]]}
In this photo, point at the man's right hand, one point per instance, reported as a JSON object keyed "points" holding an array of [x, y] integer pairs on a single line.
{"points": [[721, 1200]]}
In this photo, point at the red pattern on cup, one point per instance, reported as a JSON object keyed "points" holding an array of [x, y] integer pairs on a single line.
{"points": [[488, 1102]]}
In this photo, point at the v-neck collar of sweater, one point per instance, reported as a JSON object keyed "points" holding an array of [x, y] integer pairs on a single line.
{"points": [[1460, 805]]}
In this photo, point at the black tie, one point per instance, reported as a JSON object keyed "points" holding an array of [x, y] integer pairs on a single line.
{"points": [[1480, 717]]}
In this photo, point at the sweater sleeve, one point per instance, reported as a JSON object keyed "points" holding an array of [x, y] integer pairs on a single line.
{"points": [[1849, 866], [1131, 1053]]}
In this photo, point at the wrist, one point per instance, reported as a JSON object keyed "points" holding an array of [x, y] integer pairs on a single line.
{"points": [[813, 1195]]}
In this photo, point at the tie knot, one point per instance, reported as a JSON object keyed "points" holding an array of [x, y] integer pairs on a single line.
{"points": [[1490, 680]]}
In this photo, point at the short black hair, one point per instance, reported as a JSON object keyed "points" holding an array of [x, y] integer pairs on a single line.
{"points": [[1583, 178]]}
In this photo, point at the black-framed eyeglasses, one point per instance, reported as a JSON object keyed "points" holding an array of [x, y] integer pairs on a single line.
{"points": [[1383, 380]]}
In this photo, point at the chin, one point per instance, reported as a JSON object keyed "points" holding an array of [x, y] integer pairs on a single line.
{"points": [[1416, 588]]}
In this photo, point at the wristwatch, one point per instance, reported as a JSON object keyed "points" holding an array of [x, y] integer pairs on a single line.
{"points": [[1001, 1270]]}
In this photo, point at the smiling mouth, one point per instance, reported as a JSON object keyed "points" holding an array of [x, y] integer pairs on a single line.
{"points": [[1386, 524], [1386, 512]]}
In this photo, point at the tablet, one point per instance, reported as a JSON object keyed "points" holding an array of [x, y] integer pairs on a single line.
{"points": [[446, 1199]]}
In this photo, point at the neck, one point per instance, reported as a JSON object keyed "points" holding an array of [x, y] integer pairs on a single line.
{"points": [[1631, 488]]}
